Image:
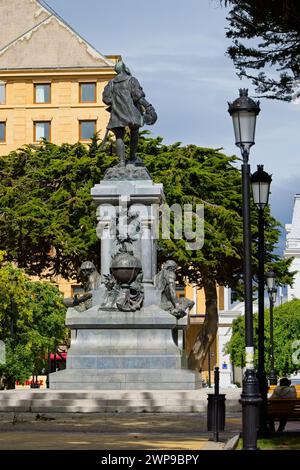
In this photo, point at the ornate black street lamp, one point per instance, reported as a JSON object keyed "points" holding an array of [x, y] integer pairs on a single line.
{"points": [[244, 112], [272, 291], [260, 183], [270, 280]]}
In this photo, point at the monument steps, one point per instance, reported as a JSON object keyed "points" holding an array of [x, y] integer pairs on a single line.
{"points": [[156, 401]]}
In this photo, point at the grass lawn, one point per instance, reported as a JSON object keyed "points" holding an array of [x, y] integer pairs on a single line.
{"points": [[285, 441]]}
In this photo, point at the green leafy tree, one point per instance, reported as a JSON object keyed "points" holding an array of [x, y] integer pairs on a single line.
{"points": [[266, 45], [286, 333], [32, 317], [48, 220]]}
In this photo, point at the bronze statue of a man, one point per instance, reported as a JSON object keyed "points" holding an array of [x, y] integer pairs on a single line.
{"points": [[90, 277], [128, 107], [91, 280]]}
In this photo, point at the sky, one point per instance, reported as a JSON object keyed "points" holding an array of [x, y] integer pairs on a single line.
{"points": [[177, 50]]}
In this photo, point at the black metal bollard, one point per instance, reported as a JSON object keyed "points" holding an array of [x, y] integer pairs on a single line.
{"points": [[216, 409]]}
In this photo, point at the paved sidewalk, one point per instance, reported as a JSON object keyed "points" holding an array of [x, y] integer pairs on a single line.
{"points": [[111, 432]]}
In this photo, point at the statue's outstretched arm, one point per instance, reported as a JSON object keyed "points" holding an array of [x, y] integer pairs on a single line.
{"points": [[137, 92], [72, 302], [148, 111], [107, 94], [143, 102]]}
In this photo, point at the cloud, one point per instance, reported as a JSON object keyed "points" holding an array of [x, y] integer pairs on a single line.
{"points": [[282, 203], [282, 198]]}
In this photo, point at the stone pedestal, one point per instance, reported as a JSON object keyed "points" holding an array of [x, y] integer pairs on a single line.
{"points": [[112, 349], [136, 196], [124, 350]]}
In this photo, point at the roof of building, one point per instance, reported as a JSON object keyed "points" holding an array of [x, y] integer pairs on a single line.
{"points": [[35, 36]]}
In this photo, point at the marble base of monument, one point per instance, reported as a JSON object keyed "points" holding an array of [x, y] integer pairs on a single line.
{"points": [[117, 349], [125, 351]]}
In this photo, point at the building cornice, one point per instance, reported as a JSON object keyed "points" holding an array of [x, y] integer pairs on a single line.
{"points": [[105, 72], [291, 253]]}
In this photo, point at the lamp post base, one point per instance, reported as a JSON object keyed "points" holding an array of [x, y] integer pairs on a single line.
{"points": [[250, 401]]}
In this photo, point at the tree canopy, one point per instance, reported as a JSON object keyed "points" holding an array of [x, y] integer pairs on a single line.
{"points": [[266, 45], [32, 323], [286, 333], [48, 218]]}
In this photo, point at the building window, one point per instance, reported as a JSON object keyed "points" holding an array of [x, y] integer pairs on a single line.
{"points": [[2, 93], [42, 93], [2, 131], [180, 292], [87, 129], [42, 130], [87, 93]]}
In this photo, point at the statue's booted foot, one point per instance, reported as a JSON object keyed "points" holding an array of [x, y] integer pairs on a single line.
{"points": [[136, 161]]}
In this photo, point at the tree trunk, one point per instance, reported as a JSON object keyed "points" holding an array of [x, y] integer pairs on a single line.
{"points": [[210, 326]]}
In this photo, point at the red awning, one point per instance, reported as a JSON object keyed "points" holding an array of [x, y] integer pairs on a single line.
{"points": [[58, 357]]}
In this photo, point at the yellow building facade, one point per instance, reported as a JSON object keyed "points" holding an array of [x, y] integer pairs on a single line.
{"points": [[62, 119], [51, 79]]}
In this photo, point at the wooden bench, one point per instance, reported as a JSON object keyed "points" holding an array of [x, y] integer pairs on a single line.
{"points": [[288, 408]]}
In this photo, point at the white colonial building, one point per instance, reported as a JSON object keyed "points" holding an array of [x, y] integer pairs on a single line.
{"points": [[292, 248], [229, 374]]}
